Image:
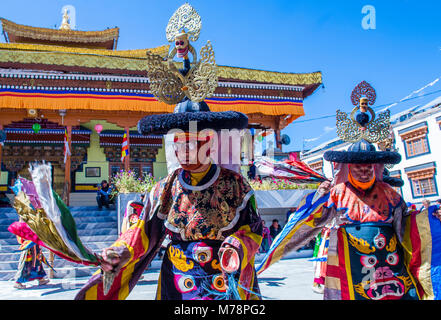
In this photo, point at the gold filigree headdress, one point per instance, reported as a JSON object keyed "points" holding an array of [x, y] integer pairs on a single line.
{"points": [[185, 17], [360, 126], [197, 80]]}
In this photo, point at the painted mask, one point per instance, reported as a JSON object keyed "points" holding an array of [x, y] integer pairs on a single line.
{"points": [[181, 44], [363, 104], [376, 263]]}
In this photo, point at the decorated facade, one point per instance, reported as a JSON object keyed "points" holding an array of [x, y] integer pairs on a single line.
{"points": [[59, 85]]}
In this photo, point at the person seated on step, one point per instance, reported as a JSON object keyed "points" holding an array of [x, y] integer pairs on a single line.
{"points": [[103, 195]]}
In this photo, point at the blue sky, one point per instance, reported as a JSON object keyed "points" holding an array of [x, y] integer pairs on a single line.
{"points": [[401, 55]]}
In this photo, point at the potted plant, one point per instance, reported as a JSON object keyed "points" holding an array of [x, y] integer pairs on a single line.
{"points": [[127, 186], [280, 193]]}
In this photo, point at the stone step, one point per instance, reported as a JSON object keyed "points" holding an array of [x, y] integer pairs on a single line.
{"points": [[82, 199], [12, 240], [5, 256], [81, 211], [80, 226], [69, 272], [95, 218], [61, 273], [58, 263], [7, 221], [8, 215], [94, 213], [96, 231], [81, 222], [92, 245]]}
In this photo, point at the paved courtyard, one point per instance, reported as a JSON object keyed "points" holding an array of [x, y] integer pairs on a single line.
{"points": [[289, 279]]}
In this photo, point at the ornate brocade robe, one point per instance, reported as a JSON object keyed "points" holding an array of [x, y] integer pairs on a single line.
{"points": [[368, 254], [199, 219]]}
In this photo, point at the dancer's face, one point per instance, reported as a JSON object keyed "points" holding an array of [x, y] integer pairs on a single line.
{"points": [[363, 172], [191, 154]]}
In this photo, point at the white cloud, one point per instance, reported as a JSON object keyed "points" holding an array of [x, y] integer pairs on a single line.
{"points": [[328, 129]]}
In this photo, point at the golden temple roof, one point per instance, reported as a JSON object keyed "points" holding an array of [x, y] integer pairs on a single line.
{"points": [[18, 33], [134, 53], [134, 60]]}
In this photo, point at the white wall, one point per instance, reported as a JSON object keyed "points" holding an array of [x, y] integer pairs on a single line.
{"points": [[434, 141]]}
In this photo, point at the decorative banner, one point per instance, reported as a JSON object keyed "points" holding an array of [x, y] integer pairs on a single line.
{"points": [[66, 146], [292, 170], [125, 147]]}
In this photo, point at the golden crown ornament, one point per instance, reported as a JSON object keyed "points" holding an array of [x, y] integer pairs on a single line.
{"points": [[197, 80], [364, 124]]}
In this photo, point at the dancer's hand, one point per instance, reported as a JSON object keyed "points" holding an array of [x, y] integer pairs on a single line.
{"points": [[110, 260], [324, 187], [229, 259]]}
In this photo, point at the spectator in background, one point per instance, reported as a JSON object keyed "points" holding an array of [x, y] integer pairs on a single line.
{"points": [[426, 205], [103, 195], [275, 229], [252, 171], [411, 207], [438, 203], [266, 239], [289, 212]]}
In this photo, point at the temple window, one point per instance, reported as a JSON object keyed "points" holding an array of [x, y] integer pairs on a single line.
{"points": [[317, 165], [415, 140], [424, 187], [422, 180], [417, 146]]}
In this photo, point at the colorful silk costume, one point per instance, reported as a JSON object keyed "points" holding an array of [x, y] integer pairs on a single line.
{"points": [[30, 265], [200, 219], [320, 256], [131, 215], [365, 258], [423, 244], [375, 252], [216, 213]]}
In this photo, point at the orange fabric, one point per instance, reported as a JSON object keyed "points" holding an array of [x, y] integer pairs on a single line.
{"points": [[373, 206], [32, 99], [358, 184]]}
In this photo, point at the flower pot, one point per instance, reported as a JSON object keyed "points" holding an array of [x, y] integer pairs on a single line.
{"points": [[121, 203]]}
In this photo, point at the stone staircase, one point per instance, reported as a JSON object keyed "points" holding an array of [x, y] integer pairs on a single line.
{"points": [[80, 199], [97, 229]]}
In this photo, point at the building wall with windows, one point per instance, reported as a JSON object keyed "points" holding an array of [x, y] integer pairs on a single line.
{"points": [[418, 140]]}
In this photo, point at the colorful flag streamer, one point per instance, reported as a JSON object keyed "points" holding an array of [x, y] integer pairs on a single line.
{"points": [[288, 169], [422, 243], [125, 147], [50, 223], [66, 146], [309, 209]]}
